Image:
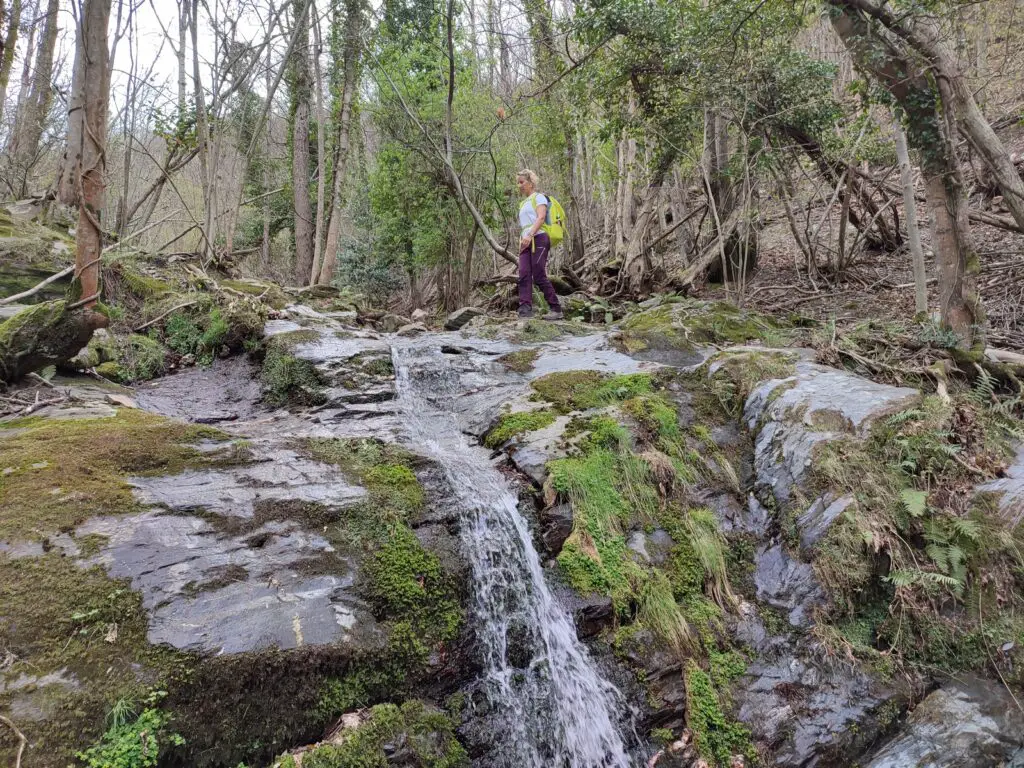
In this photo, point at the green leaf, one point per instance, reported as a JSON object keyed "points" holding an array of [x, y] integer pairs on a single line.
{"points": [[915, 501]]}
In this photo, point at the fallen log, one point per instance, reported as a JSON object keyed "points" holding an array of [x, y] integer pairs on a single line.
{"points": [[44, 334], [36, 289]]}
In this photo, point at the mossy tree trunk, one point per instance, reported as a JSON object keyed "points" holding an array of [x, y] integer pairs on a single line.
{"points": [[31, 118], [927, 108], [12, 18]]}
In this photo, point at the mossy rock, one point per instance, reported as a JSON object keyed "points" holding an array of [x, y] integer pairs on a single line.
{"points": [[44, 334], [269, 293], [685, 324], [512, 425], [426, 733], [287, 379]]}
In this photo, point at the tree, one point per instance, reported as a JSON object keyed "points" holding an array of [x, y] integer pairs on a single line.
{"points": [[301, 88], [927, 110], [347, 77], [35, 108], [12, 18]]}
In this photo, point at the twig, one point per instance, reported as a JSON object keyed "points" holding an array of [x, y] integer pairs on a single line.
{"points": [[42, 381], [156, 320], [22, 741], [33, 291]]}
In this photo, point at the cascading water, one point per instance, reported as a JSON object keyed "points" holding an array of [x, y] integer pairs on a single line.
{"points": [[552, 708]]}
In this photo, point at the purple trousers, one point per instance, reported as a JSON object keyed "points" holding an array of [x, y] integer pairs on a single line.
{"points": [[533, 268]]}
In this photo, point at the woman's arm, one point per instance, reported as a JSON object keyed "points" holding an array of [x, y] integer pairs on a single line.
{"points": [[542, 215]]}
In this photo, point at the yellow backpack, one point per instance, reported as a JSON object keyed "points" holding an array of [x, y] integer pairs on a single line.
{"points": [[554, 222]]}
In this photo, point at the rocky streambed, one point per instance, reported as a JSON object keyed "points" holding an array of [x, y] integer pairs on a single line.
{"points": [[511, 544]]}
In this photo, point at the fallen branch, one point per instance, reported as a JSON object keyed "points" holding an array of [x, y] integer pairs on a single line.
{"points": [[22, 741], [156, 320], [33, 291]]}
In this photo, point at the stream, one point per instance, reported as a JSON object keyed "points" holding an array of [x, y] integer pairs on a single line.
{"points": [[554, 709]]}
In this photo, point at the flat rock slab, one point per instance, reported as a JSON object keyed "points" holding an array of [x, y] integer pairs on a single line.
{"points": [[970, 723], [227, 390], [1010, 489], [792, 416], [281, 475], [207, 591]]}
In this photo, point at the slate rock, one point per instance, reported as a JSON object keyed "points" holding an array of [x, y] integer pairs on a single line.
{"points": [[460, 317]]}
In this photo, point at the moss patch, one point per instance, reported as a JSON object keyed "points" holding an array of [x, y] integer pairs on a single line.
{"points": [[56, 615], [685, 323], [512, 425], [63, 472], [407, 586], [520, 361], [718, 738], [579, 390], [288, 380], [424, 731]]}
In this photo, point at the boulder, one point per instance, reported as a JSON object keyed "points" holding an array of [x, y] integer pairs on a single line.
{"points": [[412, 329], [1009, 489], [44, 334], [419, 315], [968, 723], [391, 323], [556, 525], [460, 317]]}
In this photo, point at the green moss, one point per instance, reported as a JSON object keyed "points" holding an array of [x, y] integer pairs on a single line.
{"points": [[288, 380], [538, 331], [60, 616], [686, 323], [578, 390], [655, 415], [739, 373], [662, 736], [718, 738], [139, 358], [512, 425], [520, 361], [66, 471], [425, 732], [384, 468], [269, 293]]}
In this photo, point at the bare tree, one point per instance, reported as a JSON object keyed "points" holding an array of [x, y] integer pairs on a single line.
{"points": [[12, 18], [301, 96], [343, 123]]}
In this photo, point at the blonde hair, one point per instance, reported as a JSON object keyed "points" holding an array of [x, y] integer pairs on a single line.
{"points": [[529, 175]]}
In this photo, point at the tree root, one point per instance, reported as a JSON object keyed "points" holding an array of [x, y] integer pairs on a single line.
{"points": [[22, 741]]}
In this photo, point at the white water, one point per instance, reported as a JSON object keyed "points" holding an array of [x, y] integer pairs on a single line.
{"points": [[553, 709]]}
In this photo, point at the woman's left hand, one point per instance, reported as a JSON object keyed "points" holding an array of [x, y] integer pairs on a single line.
{"points": [[525, 241]]}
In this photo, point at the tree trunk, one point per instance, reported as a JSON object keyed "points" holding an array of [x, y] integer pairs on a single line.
{"points": [[910, 214], [343, 118], [927, 115], [209, 236], [31, 119], [321, 162], [467, 267], [10, 46], [301, 90], [922, 33], [88, 113]]}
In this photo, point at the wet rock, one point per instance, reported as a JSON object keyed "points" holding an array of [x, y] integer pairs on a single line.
{"points": [[651, 547], [593, 615], [818, 518], [122, 401], [281, 475], [808, 713], [460, 317], [968, 723], [228, 386], [556, 525], [788, 585], [1010, 489], [207, 591], [792, 416]]}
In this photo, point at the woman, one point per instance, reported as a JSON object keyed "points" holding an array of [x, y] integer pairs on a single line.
{"points": [[534, 246]]}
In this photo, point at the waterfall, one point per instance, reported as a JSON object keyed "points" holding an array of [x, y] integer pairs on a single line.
{"points": [[553, 708]]}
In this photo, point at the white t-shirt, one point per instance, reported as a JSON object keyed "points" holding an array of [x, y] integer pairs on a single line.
{"points": [[528, 212]]}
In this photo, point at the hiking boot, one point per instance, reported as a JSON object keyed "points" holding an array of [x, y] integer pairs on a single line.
{"points": [[555, 314], [525, 311]]}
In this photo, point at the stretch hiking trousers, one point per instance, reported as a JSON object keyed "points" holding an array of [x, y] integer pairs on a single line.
{"points": [[533, 269]]}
